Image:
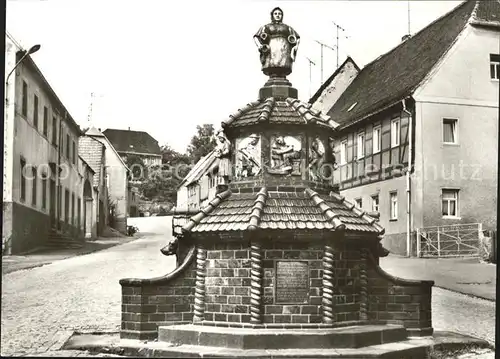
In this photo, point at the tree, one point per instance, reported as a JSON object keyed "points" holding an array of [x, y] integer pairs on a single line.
{"points": [[201, 143], [138, 169]]}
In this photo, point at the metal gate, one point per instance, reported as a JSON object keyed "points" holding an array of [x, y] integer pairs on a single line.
{"points": [[449, 241]]}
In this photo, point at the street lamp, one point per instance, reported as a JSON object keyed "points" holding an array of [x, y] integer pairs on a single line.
{"points": [[32, 50]]}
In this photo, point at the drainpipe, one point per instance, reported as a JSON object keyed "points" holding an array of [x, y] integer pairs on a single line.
{"points": [[408, 179]]}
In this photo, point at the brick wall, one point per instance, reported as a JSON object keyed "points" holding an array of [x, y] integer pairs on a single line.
{"points": [[399, 301], [227, 283], [149, 303], [309, 312]]}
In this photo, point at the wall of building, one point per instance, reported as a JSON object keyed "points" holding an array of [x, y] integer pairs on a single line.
{"points": [[117, 185], [333, 91], [460, 90], [395, 230], [35, 144]]}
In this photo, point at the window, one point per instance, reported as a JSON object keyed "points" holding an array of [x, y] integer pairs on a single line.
{"points": [[359, 202], [395, 132], [67, 146], [45, 120], [376, 139], [495, 66], [449, 130], [35, 111], [24, 108], [449, 202], [375, 203], [361, 145], [34, 184], [343, 152], [394, 205], [54, 131], [44, 192], [23, 180], [74, 152]]}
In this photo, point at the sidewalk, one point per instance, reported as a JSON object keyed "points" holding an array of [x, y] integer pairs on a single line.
{"points": [[45, 256], [463, 275]]}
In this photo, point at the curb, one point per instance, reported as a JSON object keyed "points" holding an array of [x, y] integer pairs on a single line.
{"points": [[475, 296]]}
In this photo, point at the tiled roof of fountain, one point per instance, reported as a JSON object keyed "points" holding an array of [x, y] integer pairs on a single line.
{"points": [[281, 210], [291, 111]]}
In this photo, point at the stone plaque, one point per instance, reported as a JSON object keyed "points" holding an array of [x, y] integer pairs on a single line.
{"points": [[292, 282]]}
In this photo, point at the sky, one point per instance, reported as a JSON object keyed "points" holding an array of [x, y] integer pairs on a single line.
{"points": [[166, 66]]}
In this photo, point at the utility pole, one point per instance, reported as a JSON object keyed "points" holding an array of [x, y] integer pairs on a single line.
{"points": [[338, 28], [409, 31], [321, 65], [311, 63]]}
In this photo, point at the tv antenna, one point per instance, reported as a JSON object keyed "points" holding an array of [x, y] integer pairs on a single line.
{"points": [[321, 65], [311, 63], [342, 29], [89, 118]]}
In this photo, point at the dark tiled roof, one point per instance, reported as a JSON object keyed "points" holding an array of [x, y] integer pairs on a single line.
{"points": [[396, 74], [132, 141], [281, 210], [488, 11], [330, 79], [290, 111]]}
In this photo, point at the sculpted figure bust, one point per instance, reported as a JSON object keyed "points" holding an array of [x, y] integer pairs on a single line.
{"points": [[278, 44]]}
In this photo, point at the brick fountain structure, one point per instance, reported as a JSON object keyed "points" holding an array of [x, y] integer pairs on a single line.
{"points": [[278, 261]]}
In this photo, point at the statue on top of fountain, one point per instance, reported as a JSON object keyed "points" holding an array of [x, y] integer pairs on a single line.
{"points": [[278, 44]]}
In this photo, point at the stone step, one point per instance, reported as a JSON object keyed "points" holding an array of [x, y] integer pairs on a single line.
{"points": [[246, 338]]}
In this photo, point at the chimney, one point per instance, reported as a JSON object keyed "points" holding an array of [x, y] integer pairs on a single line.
{"points": [[129, 128], [406, 37], [99, 129]]}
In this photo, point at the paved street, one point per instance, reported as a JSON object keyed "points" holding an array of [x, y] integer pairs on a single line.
{"points": [[42, 306]]}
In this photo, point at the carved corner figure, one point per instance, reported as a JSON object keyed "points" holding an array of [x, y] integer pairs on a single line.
{"points": [[223, 152], [316, 159], [278, 44]]}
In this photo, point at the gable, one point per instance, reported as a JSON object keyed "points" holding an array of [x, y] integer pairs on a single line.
{"points": [[332, 89]]}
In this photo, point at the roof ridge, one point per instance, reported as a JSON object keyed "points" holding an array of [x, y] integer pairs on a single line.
{"points": [[257, 209], [205, 211], [418, 32], [326, 209], [269, 104]]}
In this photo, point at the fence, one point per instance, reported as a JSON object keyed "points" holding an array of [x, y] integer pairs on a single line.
{"points": [[449, 241]]}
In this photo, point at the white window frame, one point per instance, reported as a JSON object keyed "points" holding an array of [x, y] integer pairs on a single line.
{"points": [[455, 130], [496, 67], [378, 146], [361, 145], [456, 192], [343, 152], [376, 204], [395, 137], [393, 207]]}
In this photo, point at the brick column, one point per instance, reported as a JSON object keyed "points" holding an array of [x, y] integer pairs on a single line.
{"points": [[327, 301], [256, 283], [363, 279], [199, 294]]}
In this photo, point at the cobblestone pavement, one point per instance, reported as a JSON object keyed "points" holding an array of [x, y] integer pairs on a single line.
{"points": [[41, 307]]}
